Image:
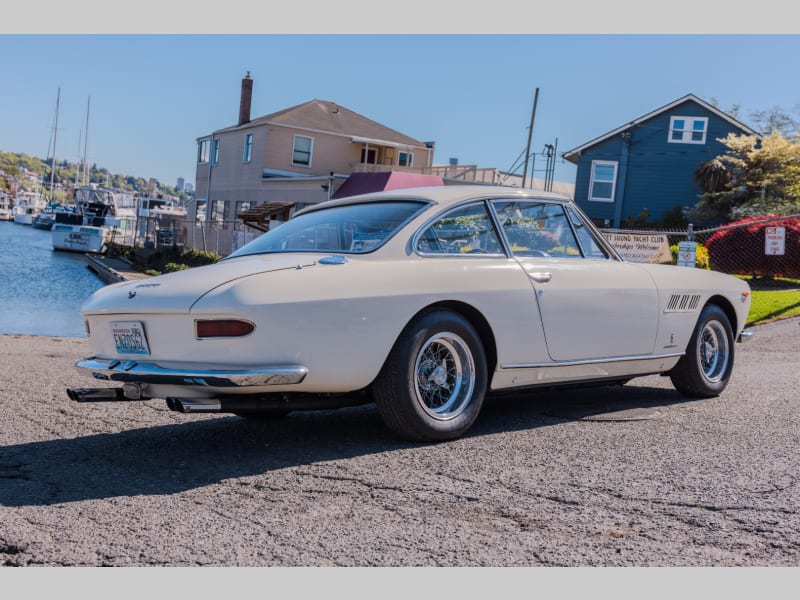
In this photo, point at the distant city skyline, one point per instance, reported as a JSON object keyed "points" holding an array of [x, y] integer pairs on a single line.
{"points": [[152, 96]]}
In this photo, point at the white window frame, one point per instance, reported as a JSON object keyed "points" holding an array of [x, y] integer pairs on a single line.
{"points": [[217, 211], [247, 152], [240, 206], [409, 158], [215, 151], [686, 133], [203, 151], [310, 151], [613, 181]]}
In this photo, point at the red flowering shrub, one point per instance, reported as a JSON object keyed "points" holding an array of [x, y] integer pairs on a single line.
{"points": [[740, 250]]}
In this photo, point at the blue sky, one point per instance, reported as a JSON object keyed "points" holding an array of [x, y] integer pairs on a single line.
{"points": [[152, 95]]}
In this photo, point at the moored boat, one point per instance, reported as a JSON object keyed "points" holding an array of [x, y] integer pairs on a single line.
{"points": [[162, 220], [5, 207], [26, 206], [103, 215]]}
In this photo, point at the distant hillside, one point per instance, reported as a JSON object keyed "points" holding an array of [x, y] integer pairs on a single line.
{"points": [[14, 166]]}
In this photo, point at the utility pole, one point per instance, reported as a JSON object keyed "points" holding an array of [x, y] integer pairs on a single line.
{"points": [[530, 134]]}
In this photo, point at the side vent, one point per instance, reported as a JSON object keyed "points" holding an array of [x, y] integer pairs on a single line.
{"points": [[683, 303]]}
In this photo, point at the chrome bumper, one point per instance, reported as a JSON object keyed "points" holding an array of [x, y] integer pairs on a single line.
{"points": [[141, 372], [745, 336]]}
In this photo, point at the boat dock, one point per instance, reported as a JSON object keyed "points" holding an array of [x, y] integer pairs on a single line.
{"points": [[113, 269]]}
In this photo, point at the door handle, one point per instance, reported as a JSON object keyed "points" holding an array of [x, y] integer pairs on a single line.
{"points": [[540, 277]]}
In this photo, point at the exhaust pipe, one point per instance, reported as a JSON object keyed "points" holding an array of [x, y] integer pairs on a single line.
{"points": [[96, 394], [287, 402], [182, 405]]}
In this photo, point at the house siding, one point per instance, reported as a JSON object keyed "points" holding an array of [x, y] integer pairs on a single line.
{"points": [[660, 174]]}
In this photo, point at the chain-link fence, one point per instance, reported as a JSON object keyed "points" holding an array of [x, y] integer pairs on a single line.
{"points": [[222, 237], [767, 247]]}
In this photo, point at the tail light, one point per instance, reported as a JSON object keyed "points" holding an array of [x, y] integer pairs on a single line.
{"points": [[222, 328]]}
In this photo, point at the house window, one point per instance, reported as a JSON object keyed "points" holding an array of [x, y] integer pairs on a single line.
{"points": [[301, 154], [243, 206], [200, 214], [687, 130], [369, 157], [215, 153], [248, 148], [604, 181], [203, 150], [218, 211], [405, 159]]}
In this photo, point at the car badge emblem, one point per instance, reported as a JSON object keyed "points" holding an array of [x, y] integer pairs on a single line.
{"points": [[131, 294]]}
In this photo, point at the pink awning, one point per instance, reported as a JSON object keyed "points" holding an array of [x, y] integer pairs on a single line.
{"points": [[364, 183]]}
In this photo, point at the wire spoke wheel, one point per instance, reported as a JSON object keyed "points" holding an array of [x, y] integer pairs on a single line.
{"points": [[706, 367], [445, 375], [713, 351], [433, 384]]}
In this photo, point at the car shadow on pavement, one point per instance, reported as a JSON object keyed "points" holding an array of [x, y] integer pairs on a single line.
{"points": [[171, 458]]}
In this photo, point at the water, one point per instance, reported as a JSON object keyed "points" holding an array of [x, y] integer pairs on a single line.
{"points": [[41, 291]]}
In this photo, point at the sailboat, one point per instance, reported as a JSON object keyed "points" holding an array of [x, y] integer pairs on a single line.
{"points": [[102, 215], [28, 205]]}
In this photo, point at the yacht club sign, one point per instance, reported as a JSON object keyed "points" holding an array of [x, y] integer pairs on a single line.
{"points": [[641, 247]]}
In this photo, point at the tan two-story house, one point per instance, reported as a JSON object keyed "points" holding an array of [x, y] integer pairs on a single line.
{"points": [[285, 161]]}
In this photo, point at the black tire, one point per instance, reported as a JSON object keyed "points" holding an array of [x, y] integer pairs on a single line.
{"points": [[424, 400], [704, 371]]}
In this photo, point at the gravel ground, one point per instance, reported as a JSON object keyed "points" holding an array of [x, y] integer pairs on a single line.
{"points": [[614, 476]]}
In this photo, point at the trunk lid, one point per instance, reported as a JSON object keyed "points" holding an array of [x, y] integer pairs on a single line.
{"points": [[177, 292]]}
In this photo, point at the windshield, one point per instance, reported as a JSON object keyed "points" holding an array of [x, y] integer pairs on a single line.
{"points": [[351, 229]]}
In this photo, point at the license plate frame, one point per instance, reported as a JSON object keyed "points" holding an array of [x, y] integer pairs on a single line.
{"points": [[129, 338]]}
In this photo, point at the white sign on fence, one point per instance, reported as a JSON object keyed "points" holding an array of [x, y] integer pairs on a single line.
{"points": [[687, 254], [644, 248], [775, 241]]}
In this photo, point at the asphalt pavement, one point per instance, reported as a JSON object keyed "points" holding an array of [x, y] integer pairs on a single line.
{"points": [[614, 476]]}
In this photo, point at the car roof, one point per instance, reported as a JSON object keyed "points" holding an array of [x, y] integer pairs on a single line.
{"points": [[441, 195]]}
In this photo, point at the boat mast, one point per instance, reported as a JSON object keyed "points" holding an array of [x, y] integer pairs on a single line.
{"points": [[55, 137], [79, 165], [86, 143]]}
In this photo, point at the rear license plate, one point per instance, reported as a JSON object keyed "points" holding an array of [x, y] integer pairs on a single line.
{"points": [[129, 337]]}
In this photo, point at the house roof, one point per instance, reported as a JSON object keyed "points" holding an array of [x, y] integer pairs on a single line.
{"points": [[572, 155], [329, 117], [364, 183]]}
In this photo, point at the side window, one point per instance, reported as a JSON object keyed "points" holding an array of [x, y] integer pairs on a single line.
{"points": [[537, 229], [466, 230], [301, 152], [589, 244]]}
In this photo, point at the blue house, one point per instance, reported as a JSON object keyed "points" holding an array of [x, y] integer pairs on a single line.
{"points": [[648, 165]]}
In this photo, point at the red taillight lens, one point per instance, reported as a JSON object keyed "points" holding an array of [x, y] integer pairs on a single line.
{"points": [[223, 328]]}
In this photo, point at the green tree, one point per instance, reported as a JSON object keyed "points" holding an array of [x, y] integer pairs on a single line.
{"points": [[753, 177], [776, 119]]}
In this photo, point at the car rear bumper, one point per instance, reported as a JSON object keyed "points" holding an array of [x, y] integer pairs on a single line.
{"points": [[142, 372]]}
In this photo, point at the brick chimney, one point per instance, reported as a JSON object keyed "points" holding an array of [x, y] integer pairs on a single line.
{"points": [[244, 103]]}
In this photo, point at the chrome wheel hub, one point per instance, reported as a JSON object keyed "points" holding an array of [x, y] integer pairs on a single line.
{"points": [[713, 352], [444, 376]]}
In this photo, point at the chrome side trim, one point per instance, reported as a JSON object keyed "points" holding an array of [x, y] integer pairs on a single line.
{"points": [[140, 372], [592, 361]]}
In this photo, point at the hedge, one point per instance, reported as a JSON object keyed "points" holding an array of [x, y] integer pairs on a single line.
{"points": [[740, 250]]}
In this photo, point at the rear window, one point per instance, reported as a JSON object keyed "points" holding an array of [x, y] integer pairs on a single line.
{"points": [[349, 229]]}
